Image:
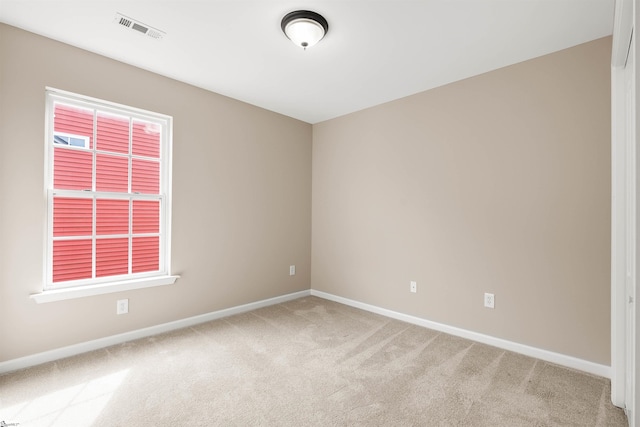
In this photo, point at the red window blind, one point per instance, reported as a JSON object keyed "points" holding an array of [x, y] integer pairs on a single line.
{"points": [[112, 173], [71, 260], [106, 203], [73, 120], [72, 169], [112, 257], [72, 217], [146, 216], [112, 133], [112, 217], [145, 177], [146, 251], [146, 139]]}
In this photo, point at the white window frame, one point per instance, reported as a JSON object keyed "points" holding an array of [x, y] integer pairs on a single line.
{"points": [[96, 286]]}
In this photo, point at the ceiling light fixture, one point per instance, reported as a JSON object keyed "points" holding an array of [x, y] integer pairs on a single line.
{"points": [[304, 28]]}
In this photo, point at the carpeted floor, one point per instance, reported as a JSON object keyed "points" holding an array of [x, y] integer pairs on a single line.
{"points": [[307, 362]]}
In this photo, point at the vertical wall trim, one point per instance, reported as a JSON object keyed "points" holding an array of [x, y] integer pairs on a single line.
{"points": [[622, 32], [618, 240]]}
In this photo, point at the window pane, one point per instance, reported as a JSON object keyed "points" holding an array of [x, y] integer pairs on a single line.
{"points": [[71, 260], [73, 120], [72, 169], [112, 133], [146, 254], [112, 216], [112, 257], [72, 217], [146, 139], [146, 216], [58, 139], [77, 142], [145, 177], [112, 173]]}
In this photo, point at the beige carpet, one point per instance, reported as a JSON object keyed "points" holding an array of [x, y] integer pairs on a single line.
{"points": [[308, 362]]}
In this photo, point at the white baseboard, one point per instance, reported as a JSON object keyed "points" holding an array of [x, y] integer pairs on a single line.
{"points": [[549, 356], [72, 350]]}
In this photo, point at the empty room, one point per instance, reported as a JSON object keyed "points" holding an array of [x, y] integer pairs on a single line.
{"points": [[323, 213]]}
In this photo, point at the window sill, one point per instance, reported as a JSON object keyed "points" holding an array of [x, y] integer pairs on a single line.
{"points": [[104, 288]]}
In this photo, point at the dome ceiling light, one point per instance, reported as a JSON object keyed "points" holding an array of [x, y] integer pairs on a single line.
{"points": [[304, 28]]}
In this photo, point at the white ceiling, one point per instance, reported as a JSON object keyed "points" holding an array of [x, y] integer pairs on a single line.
{"points": [[375, 50]]}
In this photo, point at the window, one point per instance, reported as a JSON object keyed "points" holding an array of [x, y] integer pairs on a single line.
{"points": [[73, 140], [108, 193]]}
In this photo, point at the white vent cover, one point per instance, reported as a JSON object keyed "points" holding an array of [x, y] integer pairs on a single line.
{"points": [[138, 26]]}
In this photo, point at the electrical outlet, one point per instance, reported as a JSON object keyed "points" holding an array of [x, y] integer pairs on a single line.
{"points": [[292, 270], [489, 300], [122, 306], [413, 286]]}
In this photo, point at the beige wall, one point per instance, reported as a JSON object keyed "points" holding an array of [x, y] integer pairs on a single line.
{"points": [[241, 192], [499, 183]]}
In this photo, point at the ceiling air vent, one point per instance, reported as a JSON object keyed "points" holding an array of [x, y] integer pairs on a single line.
{"points": [[132, 24]]}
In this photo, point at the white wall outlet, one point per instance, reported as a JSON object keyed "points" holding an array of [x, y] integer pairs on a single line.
{"points": [[489, 300], [292, 270], [413, 286], [122, 306]]}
